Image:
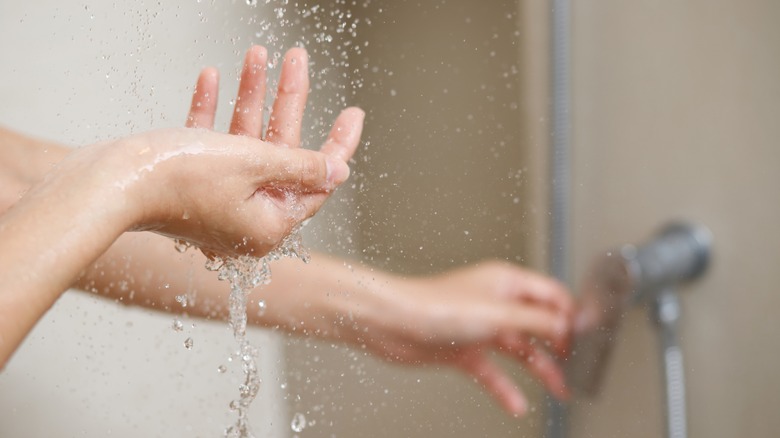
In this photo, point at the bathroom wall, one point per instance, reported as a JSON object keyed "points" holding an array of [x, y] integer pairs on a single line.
{"points": [[676, 109]]}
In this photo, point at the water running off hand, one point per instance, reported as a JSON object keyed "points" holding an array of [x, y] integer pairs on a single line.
{"points": [[244, 274]]}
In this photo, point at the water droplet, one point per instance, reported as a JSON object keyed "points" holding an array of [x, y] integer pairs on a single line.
{"points": [[181, 245], [214, 264], [298, 422], [222, 369], [251, 2], [188, 343], [178, 325], [181, 299], [261, 307]]}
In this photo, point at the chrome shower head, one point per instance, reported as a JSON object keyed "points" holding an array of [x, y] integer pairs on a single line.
{"points": [[679, 253]]}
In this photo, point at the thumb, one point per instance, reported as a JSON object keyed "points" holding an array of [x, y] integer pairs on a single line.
{"points": [[306, 170]]}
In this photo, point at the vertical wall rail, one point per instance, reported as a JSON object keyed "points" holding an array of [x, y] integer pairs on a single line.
{"points": [[560, 172]]}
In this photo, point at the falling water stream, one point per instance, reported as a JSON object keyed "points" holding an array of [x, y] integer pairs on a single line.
{"points": [[244, 274]]}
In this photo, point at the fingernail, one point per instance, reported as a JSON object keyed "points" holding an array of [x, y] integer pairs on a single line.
{"points": [[338, 171]]}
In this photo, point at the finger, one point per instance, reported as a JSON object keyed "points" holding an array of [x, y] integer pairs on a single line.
{"points": [[539, 364], [538, 322], [338, 173], [302, 170], [530, 286], [204, 100], [284, 127], [344, 137], [248, 112], [496, 382]]}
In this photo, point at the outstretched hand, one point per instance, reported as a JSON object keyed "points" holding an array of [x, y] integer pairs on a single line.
{"points": [[460, 317]]}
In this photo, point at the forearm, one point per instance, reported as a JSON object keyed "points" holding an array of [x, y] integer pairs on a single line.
{"points": [[144, 269], [23, 161], [331, 299], [38, 155], [327, 297], [48, 237]]}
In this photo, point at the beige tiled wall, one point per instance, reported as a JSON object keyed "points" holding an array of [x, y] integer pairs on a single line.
{"points": [[676, 116]]}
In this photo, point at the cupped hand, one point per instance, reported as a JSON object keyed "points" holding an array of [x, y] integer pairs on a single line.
{"points": [[292, 188], [284, 129], [460, 317], [227, 194]]}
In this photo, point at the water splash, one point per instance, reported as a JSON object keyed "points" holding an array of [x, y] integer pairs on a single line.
{"points": [[181, 245], [331, 32], [298, 423], [244, 274]]}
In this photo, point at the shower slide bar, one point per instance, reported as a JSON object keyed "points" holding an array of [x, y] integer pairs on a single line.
{"points": [[650, 275]]}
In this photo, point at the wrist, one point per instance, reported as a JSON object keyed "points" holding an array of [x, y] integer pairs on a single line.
{"points": [[55, 230], [87, 185], [373, 310], [23, 163], [118, 172]]}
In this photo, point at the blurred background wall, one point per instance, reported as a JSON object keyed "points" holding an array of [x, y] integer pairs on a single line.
{"points": [[676, 109]]}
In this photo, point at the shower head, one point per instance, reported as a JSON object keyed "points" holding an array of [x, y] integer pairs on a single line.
{"points": [[679, 253]]}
